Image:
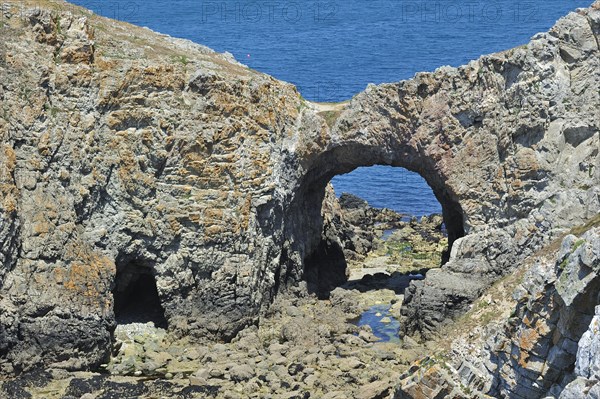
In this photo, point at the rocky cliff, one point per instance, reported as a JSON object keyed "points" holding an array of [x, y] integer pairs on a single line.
{"points": [[126, 153], [534, 335]]}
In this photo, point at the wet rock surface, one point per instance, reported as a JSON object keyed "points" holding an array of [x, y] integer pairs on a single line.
{"points": [[373, 237]]}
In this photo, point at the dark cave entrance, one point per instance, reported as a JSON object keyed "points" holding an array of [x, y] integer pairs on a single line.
{"points": [[326, 265], [136, 297]]}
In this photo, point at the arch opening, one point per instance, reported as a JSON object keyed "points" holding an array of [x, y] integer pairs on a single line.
{"points": [[136, 298], [326, 261]]}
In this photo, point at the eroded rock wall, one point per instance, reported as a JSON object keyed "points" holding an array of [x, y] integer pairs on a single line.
{"points": [[121, 146], [509, 143]]}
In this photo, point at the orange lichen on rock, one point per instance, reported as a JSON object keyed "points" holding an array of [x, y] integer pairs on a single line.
{"points": [[8, 190], [527, 341], [86, 281], [88, 276]]}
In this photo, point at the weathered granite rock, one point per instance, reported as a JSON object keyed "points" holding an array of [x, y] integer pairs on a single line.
{"points": [[129, 153]]}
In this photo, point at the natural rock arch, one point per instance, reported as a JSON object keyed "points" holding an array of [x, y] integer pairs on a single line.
{"points": [[214, 173], [492, 170], [332, 163]]}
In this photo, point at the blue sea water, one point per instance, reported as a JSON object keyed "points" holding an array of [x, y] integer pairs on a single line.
{"points": [[389, 187], [331, 50]]}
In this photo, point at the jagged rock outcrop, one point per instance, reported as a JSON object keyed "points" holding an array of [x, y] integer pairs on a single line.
{"points": [[547, 346], [124, 150], [150, 154], [356, 222]]}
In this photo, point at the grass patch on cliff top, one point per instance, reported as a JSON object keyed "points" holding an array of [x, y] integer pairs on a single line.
{"points": [[120, 36], [330, 112], [330, 117], [181, 59], [554, 246]]}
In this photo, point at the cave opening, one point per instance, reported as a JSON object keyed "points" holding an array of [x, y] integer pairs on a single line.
{"points": [[136, 298], [360, 228]]}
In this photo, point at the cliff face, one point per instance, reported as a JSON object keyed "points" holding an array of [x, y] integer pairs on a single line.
{"points": [[125, 152], [509, 144]]}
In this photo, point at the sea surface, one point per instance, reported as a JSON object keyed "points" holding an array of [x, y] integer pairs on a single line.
{"points": [[331, 50]]}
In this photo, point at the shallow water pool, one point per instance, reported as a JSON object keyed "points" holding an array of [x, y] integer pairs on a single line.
{"points": [[386, 330]]}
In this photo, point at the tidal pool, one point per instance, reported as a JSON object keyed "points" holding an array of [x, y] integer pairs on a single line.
{"points": [[379, 318]]}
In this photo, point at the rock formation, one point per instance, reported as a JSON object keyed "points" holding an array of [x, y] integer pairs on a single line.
{"points": [[544, 345], [126, 153]]}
